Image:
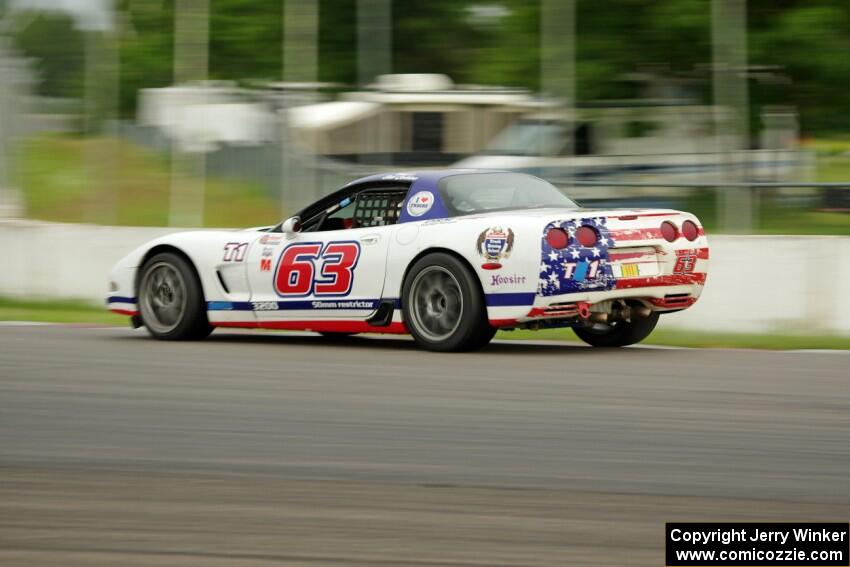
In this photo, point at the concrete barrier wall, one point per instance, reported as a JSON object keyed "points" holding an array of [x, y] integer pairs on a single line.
{"points": [[64, 261], [790, 284], [786, 284]]}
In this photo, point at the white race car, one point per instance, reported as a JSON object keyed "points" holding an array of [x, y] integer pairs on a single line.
{"points": [[447, 256]]}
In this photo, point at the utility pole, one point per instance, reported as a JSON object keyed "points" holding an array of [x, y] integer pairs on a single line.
{"points": [[7, 95], [300, 65], [374, 58], [374, 39], [102, 60], [731, 110], [301, 41], [558, 60], [191, 64]]}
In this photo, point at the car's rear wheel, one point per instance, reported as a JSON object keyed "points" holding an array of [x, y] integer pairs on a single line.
{"points": [[443, 305], [619, 333], [171, 300]]}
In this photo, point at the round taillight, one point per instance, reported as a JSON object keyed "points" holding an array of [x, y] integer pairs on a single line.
{"points": [[587, 236], [557, 238], [669, 231], [690, 230]]}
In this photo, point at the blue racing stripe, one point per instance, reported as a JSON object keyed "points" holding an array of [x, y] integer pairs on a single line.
{"points": [[229, 306], [120, 299], [493, 300], [314, 304], [510, 299]]}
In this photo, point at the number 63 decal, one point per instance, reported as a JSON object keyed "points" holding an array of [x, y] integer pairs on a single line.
{"points": [[311, 268]]}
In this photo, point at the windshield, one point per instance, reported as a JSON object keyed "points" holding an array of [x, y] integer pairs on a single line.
{"points": [[483, 192], [529, 138]]}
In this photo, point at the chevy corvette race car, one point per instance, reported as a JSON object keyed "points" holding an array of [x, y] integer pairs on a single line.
{"points": [[447, 256]]}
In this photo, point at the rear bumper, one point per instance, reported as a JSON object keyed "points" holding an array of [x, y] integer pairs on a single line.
{"points": [[662, 293]]}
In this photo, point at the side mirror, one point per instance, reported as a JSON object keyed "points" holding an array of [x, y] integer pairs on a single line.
{"points": [[291, 225]]}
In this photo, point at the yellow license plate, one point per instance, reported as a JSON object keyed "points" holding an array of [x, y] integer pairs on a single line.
{"points": [[629, 270]]}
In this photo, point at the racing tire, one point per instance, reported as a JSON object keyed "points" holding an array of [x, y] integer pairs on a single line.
{"points": [[171, 300], [443, 305], [618, 334]]}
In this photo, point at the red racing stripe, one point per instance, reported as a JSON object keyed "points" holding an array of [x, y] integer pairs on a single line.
{"points": [[645, 234], [614, 255], [672, 304], [640, 215], [618, 256], [503, 322], [700, 253], [394, 328], [636, 234], [656, 281], [125, 312]]}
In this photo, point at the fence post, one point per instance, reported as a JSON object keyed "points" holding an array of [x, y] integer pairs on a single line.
{"points": [[731, 110]]}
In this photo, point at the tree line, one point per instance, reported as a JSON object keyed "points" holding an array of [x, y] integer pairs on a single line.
{"points": [[799, 50]]}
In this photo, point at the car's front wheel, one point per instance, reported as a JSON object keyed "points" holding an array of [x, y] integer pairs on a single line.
{"points": [[171, 300], [443, 305], [619, 333]]}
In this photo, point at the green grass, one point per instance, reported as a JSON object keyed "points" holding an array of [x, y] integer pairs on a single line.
{"points": [[44, 311], [112, 181], [773, 217], [832, 159], [83, 312], [698, 339]]}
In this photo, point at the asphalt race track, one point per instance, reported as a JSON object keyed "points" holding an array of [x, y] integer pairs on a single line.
{"points": [[262, 449]]}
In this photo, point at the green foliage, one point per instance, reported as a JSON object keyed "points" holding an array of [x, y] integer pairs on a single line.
{"points": [[111, 181], [245, 39], [702, 339], [70, 311], [810, 42], [56, 50], [57, 311], [805, 43], [147, 44]]}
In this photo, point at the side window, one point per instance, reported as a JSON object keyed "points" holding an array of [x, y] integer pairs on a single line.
{"points": [[378, 207], [337, 217]]}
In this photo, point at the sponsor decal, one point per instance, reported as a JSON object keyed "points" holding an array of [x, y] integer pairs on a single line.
{"points": [[513, 279], [235, 251], [268, 252], [270, 239], [298, 305], [265, 264], [353, 304], [420, 203], [495, 243], [629, 270], [399, 177], [311, 268], [582, 270]]}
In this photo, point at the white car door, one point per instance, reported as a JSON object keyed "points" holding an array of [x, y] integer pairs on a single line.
{"points": [[321, 274]]}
